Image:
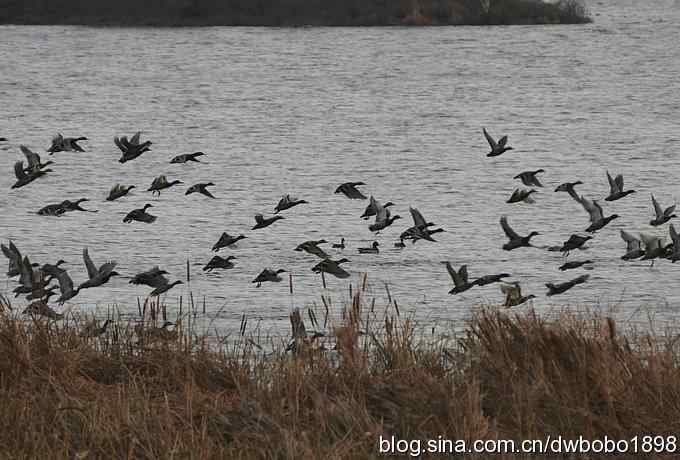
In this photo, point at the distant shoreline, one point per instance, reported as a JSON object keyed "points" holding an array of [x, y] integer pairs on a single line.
{"points": [[296, 13]]}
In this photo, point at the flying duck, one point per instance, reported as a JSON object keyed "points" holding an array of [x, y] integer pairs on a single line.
{"points": [[674, 251], [163, 288], [460, 278], [152, 277], [65, 286], [574, 264], [15, 259], [340, 245], [161, 183], [140, 215], [349, 189], [261, 222], [312, 247], [420, 229], [372, 250], [30, 280], [24, 178], [185, 157], [662, 215], [574, 242], [118, 191], [516, 241], [497, 148], [332, 267], [371, 210], [633, 246], [201, 188], [382, 217], [131, 149], [554, 289], [226, 240], [529, 178], [33, 160], [597, 219], [219, 262], [654, 247], [521, 195], [268, 275], [287, 202], [616, 191], [569, 188], [97, 276], [513, 295], [66, 144], [488, 279]]}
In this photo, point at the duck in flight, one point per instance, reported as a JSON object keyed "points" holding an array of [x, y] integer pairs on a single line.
{"points": [[332, 267], [140, 215], [262, 222], [287, 202], [633, 246], [420, 229], [226, 240], [662, 215], [371, 210], [574, 242], [554, 289], [515, 241], [488, 279], [529, 178], [161, 183], [118, 191], [57, 209], [569, 188], [131, 148], [513, 294], [655, 247], [163, 288], [268, 275], [382, 217], [152, 277], [574, 264], [597, 218], [66, 144], [15, 259], [312, 247], [33, 160], [219, 262], [349, 189], [24, 178], [497, 148], [460, 278], [616, 191], [200, 188], [674, 250], [186, 157], [97, 276], [521, 195]]}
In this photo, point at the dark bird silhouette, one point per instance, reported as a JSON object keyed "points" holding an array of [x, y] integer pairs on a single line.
{"points": [[152, 277], [268, 275], [161, 183], [287, 202], [312, 247], [66, 144], [382, 217], [420, 229], [14, 255], [219, 262], [24, 178], [372, 250], [162, 289], [97, 276], [633, 246], [574, 264], [554, 289], [140, 215], [569, 188], [460, 278], [201, 188], [574, 242], [513, 295], [674, 250], [488, 279], [33, 160], [597, 218], [118, 191], [65, 286], [529, 178], [226, 240], [616, 191], [654, 247], [371, 210], [349, 189], [185, 157], [332, 267], [497, 148], [521, 195], [261, 222], [516, 241], [662, 215], [131, 148]]}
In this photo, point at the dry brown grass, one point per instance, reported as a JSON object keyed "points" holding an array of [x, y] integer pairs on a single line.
{"points": [[510, 376]]}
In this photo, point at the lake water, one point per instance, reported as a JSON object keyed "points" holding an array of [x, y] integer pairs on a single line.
{"points": [[302, 110]]}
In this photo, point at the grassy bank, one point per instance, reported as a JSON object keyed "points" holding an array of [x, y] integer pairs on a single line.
{"points": [[133, 393], [292, 12]]}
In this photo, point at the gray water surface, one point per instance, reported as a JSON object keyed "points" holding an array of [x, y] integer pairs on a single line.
{"points": [[302, 110]]}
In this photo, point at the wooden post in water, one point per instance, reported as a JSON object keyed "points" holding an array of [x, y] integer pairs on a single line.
{"points": [[188, 272], [323, 280], [290, 282]]}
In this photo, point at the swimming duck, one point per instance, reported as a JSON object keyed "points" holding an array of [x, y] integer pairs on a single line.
{"points": [[513, 295], [66, 144], [597, 219], [268, 275], [574, 242], [163, 288], [674, 251], [332, 267], [372, 250], [312, 247], [616, 191], [382, 217], [200, 188], [185, 157], [97, 276], [633, 246], [287, 202], [226, 240], [554, 289], [152, 277], [569, 188], [574, 264], [33, 159], [261, 222], [24, 178], [460, 278], [662, 216], [516, 241], [521, 195], [654, 247], [529, 178], [340, 245], [118, 191], [219, 262], [140, 215], [349, 189], [497, 148], [161, 183], [488, 279], [370, 209], [131, 149]]}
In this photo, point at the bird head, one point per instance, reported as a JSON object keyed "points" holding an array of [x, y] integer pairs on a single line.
{"points": [[375, 244], [280, 270], [148, 205], [533, 234], [388, 204]]}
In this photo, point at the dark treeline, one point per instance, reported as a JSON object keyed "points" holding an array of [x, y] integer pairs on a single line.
{"points": [[290, 12]]}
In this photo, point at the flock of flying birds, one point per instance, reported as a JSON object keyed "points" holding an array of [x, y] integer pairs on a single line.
{"points": [[35, 279]]}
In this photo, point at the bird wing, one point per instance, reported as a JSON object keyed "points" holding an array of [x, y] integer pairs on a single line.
{"points": [[381, 212], [490, 140], [674, 236], [453, 274], [26, 272], [619, 182], [418, 219], [632, 243], [502, 141], [119, 143], [65, 282], [134, 140], [91, 269], [613, 187], [107, 267], [592, 208], [536, 181], [657, 209], [463, 274], [669, 210], [651, 242], [509, 232], [259, 218], [19, 170], [32, 157]]}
